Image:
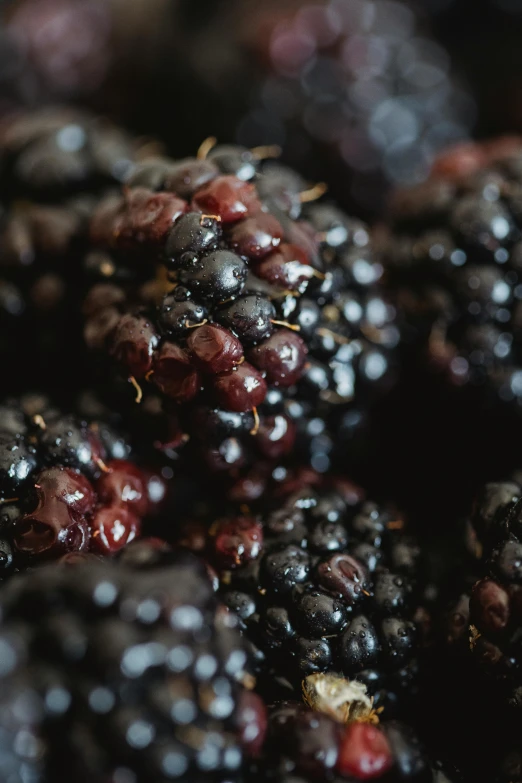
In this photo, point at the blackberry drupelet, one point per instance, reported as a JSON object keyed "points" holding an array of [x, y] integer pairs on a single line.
{"points": [[53, 162], [133, 672], [453, 251], [322, 743], [323, 581], [66, 486], [273, 318]]}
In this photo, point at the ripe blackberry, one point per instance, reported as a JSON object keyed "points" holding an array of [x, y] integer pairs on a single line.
{"points": [[322, 743], [66, 485], [274, 315], [52, 163], [323, 581], [453, 257], [132, 672]]}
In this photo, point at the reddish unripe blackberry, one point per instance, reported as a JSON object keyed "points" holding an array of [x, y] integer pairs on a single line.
{"points": [[276, 309]]}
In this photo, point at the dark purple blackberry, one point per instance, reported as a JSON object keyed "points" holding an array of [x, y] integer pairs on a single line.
{"points": [[453, 257], [323, 581], [494, 617], [337, 738], [66, 485], [52, 164], [132, 670], [272, 316], [477, 659]]}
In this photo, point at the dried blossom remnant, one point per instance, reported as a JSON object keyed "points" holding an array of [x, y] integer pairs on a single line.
{"points": [[343, 700], [474, 636]]}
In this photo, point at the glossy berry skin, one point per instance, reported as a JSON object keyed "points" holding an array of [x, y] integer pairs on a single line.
{"points": [[323, 582], [281, 357], [229, 198], [255, 237], [124, 484], [287, 267], [237, 542], [365, 753], [241, 389], [113, 527], [250, 317], [214, 349], [81, 493], [57, 525], [192, 235], [81, 664], [133, 342], [180, 312], [174, 373], [216, 277]]}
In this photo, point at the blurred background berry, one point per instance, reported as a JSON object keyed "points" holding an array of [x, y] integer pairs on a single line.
{"points": [[359, 91]]}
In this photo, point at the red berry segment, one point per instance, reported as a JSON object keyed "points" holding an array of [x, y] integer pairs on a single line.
{"points": [[489, 606], [287, 267], [281, 357], [365, 753], [124, 485], [256, 236], [214, 349], [112, 528], [240, 390], [133, 343], [229, 198], [276, 436], [141, 221], [58, 524], [175, 374], [237, 541]]}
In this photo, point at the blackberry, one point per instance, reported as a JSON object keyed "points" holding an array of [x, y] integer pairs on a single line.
{"points": [[306, 744], [274, 315], [52, 163], [323, 581], [66, 485], [132, 672], [453, 257], [493, 615], [477, 658]]}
